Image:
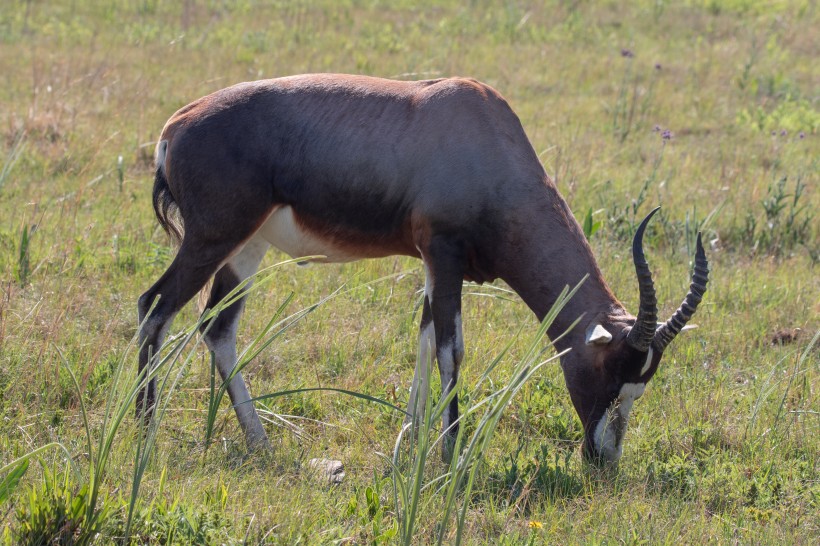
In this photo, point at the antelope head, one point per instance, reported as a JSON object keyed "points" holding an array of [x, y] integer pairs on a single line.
{"points": [[621, 354]]}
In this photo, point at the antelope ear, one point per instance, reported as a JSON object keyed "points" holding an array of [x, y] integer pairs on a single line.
{"points": [[687, 327], [597, 335]]}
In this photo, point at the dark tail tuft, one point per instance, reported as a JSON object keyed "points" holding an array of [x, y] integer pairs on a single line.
{"points": [[166, 208]]}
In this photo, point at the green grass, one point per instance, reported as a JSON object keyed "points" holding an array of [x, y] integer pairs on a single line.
{"points": [[723, 447]]}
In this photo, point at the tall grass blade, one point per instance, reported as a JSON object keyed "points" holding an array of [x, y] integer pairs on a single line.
{"points": [[12, 480], [11, 158]]}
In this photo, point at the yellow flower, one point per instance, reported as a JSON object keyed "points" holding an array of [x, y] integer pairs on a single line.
{"points": [[535, 524]]}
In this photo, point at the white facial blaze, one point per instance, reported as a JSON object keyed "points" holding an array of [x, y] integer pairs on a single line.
{"points": [[629, 393], [610, 431]]}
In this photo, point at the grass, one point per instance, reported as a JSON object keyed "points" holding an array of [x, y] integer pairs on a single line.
{"points": [[721, 448]]}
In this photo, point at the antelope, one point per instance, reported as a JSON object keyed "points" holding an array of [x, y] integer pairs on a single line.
{"points": [[352, 167]]}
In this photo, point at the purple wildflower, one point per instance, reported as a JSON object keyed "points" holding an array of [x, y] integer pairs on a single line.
{"points": [[657, 66], [627, 53], [802, 135], [666, 135], [783, 132], [774, 133], [656, 129]]}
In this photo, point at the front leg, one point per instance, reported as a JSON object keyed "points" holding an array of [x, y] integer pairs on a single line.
{"points": [[446, 273], [449, 353]]}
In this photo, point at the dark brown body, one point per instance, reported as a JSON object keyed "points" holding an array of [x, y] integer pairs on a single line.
{"points": [[332, 146]]}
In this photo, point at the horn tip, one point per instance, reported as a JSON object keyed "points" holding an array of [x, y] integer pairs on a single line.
{"points": [[638, 238], [652, 213], [699, 251]]}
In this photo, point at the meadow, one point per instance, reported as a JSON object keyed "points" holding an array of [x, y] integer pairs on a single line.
{"points": [[708, 108]]}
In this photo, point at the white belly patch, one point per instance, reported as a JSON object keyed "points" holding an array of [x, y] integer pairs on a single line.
{"points": [[283, 232]]}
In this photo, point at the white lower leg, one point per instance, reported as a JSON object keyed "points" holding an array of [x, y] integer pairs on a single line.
{"points": [[449, 360], [225, 358], [244, 264], [446, 366], [421, 379]]}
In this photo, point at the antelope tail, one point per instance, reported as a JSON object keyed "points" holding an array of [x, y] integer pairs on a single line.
{"points": [[165, 207]]}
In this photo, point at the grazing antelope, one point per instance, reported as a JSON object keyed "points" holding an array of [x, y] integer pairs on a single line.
{"points": [[352, 167]]}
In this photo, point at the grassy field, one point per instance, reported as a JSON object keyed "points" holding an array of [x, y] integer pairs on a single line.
{"points": [[723, 447]]}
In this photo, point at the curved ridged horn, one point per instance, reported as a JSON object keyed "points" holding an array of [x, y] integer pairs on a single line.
{"points": [[643, 332], [667, 332]]}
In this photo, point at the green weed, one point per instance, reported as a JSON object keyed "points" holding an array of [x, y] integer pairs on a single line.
{"points": [[23, 271], [369, 509], [55, 512], [785, 222], [589, 225]]}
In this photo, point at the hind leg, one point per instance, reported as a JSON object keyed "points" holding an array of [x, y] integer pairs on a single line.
{"points": [[221, 336], [193, 265]]}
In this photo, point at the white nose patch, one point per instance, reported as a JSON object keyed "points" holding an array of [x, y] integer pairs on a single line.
{"points": [[610, 431]]}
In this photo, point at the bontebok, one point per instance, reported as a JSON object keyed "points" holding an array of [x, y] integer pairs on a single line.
{"points": [[352, 167]]}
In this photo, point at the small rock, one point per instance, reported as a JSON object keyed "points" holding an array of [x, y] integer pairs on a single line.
{"points": [[328, 470]]}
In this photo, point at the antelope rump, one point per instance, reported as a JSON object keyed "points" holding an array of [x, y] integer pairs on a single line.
{"points": [[353, 167]]}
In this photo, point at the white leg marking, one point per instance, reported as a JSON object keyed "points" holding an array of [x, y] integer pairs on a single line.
{"points": [[421, 378], [424, 359], [446, 364], [243, 264], [449, 361], [428, 285], [224, 351], [447, 369], [459, 353], [611, 429]]}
